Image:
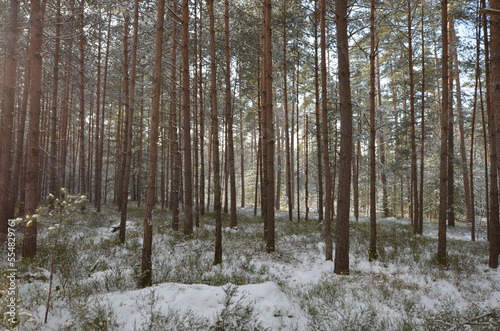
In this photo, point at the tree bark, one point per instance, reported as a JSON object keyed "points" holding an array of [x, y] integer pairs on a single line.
{"points": [[422, 129], [451, 126], [344, 189], [297, 160], [215, 138], [494, 143], [146, 265], [174, 146], [202, 128], [287, 124], [443, 159], [473, 128], [306, 157], [414, 193], [127, 134], [37, 13], [98, 137], [186, 119], [19, 165], [324, 139], [318, 114], [229, 122], [268, 127], [100, 148], [355, 171], [373, 170], [242, 156], [81, 76], [7, 123], [463, 155], [53, 183]]}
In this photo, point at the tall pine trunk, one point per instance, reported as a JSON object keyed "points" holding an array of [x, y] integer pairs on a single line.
{"points": [[127, 134], [229, 121], [422, 129], [81, 80], [324, 139], [268, 127], [186, 123], [98, 137], [7, 122], [100, 147], [494, 132], [215, 138], [451, 125], [344, 195], [129, 87], [146, 265], [288, 156], [373, 170], [202, 129], [413, 176], [32, 176], [444, 122], [174, 145], [317, 113], [53, 178]]}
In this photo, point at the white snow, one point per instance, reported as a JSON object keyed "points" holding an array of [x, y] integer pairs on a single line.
{"points": [[292, 289]]}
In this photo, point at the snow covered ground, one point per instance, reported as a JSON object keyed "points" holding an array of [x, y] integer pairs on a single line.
{"points": [[292, 289]]}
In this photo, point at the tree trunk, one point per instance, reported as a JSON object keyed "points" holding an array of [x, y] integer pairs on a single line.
{"points": [[229, 122], [7, 123], [324, 139], [355, 172], [174, 148], [317, 114], [215, 138], [100, 151], [33, 148], [202, 127], [242, 157], [127, 134], [373, 171], [81, 75], [268, 128], [422, 129], [344, 195], [443, 175], [98, 137], [473, 128], [296, 82], [306, 158], [197, 103], [463, 155], [493, 120], [53, 116], [288, 156], [186, 119], [139, 154], [19, 166], [129, 88], [146, 265], [279, 166], [486, 154], [451, 126], [414, 193]]}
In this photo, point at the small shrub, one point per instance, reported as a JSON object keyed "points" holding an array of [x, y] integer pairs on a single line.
{"points": [[235, 315], [94, 315]]}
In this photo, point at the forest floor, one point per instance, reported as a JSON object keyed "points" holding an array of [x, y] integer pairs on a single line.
{"points": [[293, 289]]}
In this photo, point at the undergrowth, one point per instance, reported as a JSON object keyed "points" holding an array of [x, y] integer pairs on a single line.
{"points": [[405, 289]]}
